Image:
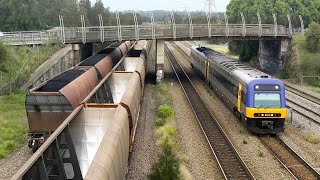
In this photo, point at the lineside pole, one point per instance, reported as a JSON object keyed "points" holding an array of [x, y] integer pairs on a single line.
{"points": [[209, 24], [275, 25], [136, 26], [260, 26], [101, 28], [63, 36], [226, 19], [174, 30], [190, 26], [290, 25], [119, 27], [302, 24], [243, 25], [153, 29], [83, 23]]}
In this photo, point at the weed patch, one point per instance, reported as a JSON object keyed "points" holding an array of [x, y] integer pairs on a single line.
{"points": [[160, 122], [165, 111], [167, 166], [312, 138]]}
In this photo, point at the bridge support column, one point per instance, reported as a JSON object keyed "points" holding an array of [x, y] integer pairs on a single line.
{"points": [[160, 60], [86, 50], [272, 54]]}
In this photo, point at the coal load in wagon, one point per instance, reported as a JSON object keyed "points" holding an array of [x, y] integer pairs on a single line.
{"points": [[93, 60], [58, 82]]}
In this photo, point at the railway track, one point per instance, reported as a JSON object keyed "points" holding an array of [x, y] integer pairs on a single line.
{"points": [[231, 164], [312, 115], [302, 94], [289, 159]]}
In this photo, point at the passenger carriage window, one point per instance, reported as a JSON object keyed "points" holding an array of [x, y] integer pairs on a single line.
{"points": [[243, 97]]}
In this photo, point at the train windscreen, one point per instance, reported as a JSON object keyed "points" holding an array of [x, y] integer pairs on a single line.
{"points": [[267, 100]]}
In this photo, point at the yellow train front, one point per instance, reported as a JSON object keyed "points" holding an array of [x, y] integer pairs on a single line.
{"points": [[255, 97]]}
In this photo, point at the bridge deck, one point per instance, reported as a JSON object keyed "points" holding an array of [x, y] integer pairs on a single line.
{"points": [[150, 31]]}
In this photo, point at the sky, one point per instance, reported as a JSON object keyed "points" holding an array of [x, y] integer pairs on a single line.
{"points": [[177, 5]]}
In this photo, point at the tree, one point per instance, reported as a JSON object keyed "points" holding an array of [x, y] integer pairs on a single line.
{"points": [[309, 10], [313, 37], [99, 8]]}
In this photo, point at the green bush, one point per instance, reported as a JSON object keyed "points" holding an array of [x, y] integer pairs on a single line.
{"points": [[160, 122], [284, 74], [245, 49], [167, 167], [313, 37], [165, 111], [170, 129]]}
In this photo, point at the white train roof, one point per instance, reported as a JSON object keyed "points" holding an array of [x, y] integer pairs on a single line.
{"points": [[232, 66]]}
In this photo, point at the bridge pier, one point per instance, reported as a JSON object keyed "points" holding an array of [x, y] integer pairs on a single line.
{"points": [[86, 50], [272, 54], [160, 60]]}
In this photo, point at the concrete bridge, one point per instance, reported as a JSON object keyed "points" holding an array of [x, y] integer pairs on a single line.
{"points": [[168, 32], [155, 31]]}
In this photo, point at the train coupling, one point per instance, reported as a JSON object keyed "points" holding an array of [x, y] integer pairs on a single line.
{"points": [[36, 141], [268, 124]]}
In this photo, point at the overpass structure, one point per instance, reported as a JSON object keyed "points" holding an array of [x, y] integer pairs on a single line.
{"points": [[155, 31], [150, 31]]}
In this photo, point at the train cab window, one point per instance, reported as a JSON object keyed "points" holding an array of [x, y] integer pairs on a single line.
{"points": [[267, 100]]}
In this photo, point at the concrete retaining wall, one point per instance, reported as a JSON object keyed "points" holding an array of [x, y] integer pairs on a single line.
{"points": [[58, 62]]}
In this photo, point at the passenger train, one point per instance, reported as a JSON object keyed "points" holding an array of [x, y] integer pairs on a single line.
{"points": [[255, 97]]}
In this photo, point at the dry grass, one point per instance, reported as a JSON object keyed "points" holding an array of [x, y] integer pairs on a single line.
{"points": [[221, 48], [311, 138], [184, 173]]}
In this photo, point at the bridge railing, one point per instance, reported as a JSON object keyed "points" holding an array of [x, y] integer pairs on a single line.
{"points": [[150, 31], [28, 37], [168, 31]]}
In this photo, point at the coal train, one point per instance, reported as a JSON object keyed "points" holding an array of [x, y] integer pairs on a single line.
{"points": [[255, 97], [94, 141], [103, 131], [51, 102]]}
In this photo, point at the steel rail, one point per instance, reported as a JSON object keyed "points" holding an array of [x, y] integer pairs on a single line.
{"points": [[290, 159], [300, 93], [293, 154], [229, 160], [314, 113]]}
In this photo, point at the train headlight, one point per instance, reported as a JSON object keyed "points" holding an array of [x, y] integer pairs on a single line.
{"points": [[277, 87], [257, 87]]}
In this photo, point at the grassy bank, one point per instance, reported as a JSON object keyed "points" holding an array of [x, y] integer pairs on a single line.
{"points": [[16, 66], [302, 62], [17, 63], [13, 124], [221, 48]]}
